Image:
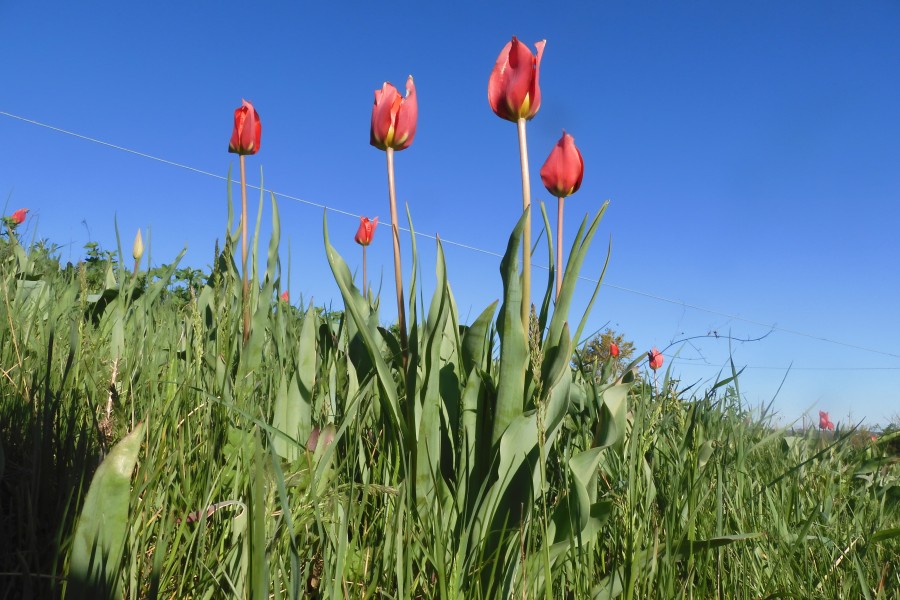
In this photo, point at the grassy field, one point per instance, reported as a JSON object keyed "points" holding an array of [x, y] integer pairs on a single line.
{"points": [[317, 460]]}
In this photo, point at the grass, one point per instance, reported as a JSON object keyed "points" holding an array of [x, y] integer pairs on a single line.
{"points": [[489, 467]]}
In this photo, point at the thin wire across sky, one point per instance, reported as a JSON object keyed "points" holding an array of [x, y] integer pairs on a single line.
{"points": [[769, 326]]}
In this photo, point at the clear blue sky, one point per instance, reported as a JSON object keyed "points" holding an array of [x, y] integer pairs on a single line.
{"points": [[751, 153]]}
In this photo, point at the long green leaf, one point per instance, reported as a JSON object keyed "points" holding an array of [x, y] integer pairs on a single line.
{"points": [[103, 524]]}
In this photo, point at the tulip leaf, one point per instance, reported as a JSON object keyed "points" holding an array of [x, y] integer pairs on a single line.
{"points": [[513, 346], [103, 524], [475, 340], [428, 447]]}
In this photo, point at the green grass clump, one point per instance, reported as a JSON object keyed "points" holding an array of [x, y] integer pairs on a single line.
{"points": [[312, 462]]}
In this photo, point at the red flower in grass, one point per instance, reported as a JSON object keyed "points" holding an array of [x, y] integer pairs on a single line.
{"points": [[656, 359], [247, 132], [18, 217], [286, 297], [514, 90], [564, 169], [366, 231], [613, 350], [824, 421], [394, 117]]}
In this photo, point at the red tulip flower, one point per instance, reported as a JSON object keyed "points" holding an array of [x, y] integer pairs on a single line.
{"points": [[366, 231], [364, 236], [513, 90], [18, 217], [245, 140], [656, 359], [394, 117], [562, 174], [247, 132], [286, 297], [613, 350], [564, 169], [824, 421]]}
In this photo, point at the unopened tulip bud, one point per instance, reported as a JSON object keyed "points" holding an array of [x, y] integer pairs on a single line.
{"points": [[137, 250], [564, 169]]}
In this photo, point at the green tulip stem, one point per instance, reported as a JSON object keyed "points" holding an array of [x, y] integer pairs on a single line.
{"points": [[245, 296], [526, 237], [559, 242], [398, 270], [364, 288]]}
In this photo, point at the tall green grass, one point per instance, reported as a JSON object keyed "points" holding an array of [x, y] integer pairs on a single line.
{"points": [[309, 462]]}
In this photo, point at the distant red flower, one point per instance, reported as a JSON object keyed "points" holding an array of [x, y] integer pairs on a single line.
{"points": [[656, 359], [366, 231], [394, 117], [247, 132], [514, 90], [286, 297], [564, 169], [824, 421], [613, 350], [18, 217]]}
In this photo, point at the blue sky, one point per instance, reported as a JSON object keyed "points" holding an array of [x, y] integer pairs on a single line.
{"points": [[751, 153]]}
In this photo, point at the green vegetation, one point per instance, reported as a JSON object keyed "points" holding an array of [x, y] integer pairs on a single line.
{"points": [[312, 462]]}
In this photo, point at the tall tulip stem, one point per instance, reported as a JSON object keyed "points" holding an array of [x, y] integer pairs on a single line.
{"points": [[398, 270], [526, 238], [559, 241], [365, 289], [245, 288]]}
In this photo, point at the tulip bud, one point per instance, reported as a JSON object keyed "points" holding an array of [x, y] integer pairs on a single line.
{"points": [[137, 250], [286, 297], [366, 231], [513, 89], [394, 117], [613, 350], [18, 217], [656, 359], [247, 132], [564, 169]]}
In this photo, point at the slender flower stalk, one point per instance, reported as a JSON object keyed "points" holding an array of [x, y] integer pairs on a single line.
{"points": [[245, 280], [398, 268], [559, 237], [526, 237], [245, 139]]}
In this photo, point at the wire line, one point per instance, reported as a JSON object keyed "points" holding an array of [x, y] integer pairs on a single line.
{"points": [[770, 326]]}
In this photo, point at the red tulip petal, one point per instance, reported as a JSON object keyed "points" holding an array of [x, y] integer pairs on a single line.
{"points": [[536, 84], [407, 117], [519, 85], [497, 85], [382, 115]]}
